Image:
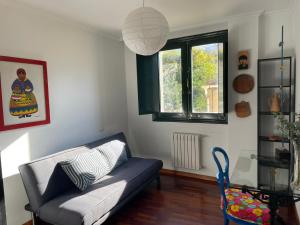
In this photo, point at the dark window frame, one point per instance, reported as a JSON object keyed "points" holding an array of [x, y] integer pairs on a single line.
{"points": [[186, 44]]}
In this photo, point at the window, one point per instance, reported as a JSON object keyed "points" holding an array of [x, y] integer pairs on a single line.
{"points": [[206, 85], [170, 80], [187, 80]]}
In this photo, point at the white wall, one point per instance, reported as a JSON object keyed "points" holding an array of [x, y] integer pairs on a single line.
{"points": [[270, 34], [260, 33], [86, 87], [154, 138], [242, 132]]}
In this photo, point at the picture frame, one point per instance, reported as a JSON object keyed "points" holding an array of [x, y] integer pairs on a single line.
{"points": [[243, 60], [24, 97]]}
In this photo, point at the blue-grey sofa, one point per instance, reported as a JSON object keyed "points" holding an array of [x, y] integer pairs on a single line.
{"points": [[54, 199]]}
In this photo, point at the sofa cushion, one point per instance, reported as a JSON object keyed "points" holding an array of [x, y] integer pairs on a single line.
{"points": [[114, 153], [85, 208], [120, 136], [86, 168]]}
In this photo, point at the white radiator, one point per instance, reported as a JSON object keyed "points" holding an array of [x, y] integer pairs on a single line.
{"points": [[186, 151]]}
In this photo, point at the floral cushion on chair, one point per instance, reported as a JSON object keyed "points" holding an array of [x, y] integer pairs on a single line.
{"points": [[244, 207]]}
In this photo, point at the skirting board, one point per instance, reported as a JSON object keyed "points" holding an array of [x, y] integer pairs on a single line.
{"points": [[28, 223], [176, 173]]}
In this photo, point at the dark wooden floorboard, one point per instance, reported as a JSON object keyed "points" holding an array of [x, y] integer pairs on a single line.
{"points": [[180, 201]]}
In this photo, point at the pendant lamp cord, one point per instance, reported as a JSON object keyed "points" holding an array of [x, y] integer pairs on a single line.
{"points": [[143, 3]]}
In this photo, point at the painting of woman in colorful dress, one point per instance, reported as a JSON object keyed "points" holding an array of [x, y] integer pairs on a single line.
{"points": [[22, 101]]}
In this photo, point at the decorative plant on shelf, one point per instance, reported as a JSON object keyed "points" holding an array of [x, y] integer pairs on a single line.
{"points": [[291, 130]]}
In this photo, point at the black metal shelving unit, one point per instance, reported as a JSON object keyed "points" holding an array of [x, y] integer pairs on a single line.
{"points": [[274, 174]]}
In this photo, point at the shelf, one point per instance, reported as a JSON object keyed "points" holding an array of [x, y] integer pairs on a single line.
{"points": [[272, 113], [265, 138], [274, 175], [275, 86], [274, 59], [282, 189], [273, 162]]}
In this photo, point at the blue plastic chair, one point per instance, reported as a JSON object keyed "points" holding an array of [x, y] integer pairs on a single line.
{"points": [[224, 183]]}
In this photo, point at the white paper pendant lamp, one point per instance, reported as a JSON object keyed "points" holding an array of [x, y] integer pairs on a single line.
{"points": [[145, 31]]}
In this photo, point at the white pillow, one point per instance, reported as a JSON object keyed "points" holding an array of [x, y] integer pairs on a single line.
{"points": [[86, 168], [114, 152]]}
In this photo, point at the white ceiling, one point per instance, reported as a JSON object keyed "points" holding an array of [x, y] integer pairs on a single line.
{"points": [[108, 15]]}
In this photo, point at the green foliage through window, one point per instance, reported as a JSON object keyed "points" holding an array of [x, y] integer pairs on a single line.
{"points": [[170, 81], [204, 77]]}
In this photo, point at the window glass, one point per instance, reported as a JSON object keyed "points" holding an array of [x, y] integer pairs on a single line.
{"points": [[207, 78], [170, 80]]}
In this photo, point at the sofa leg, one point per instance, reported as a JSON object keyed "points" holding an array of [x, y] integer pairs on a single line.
{"points": [[36, 220], [158, 185]]}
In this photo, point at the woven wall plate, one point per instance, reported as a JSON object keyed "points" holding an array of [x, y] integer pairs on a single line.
{"points": [[242, 109], [243, 83]]}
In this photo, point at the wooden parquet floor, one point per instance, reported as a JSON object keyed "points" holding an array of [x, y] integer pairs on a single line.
{"points": [[180, 201]]}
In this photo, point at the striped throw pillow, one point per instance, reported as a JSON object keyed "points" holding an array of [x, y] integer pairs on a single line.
{"points": [[114, 153], [86, 168]]}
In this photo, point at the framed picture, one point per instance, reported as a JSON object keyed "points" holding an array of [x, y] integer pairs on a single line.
{"points": [[24, 98], [243, 60]]}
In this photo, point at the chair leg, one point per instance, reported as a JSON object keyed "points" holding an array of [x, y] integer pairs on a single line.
{"points": [[226, 221]]}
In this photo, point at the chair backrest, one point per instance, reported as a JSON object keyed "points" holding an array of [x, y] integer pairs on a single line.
{"points": [[222, 176]]}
